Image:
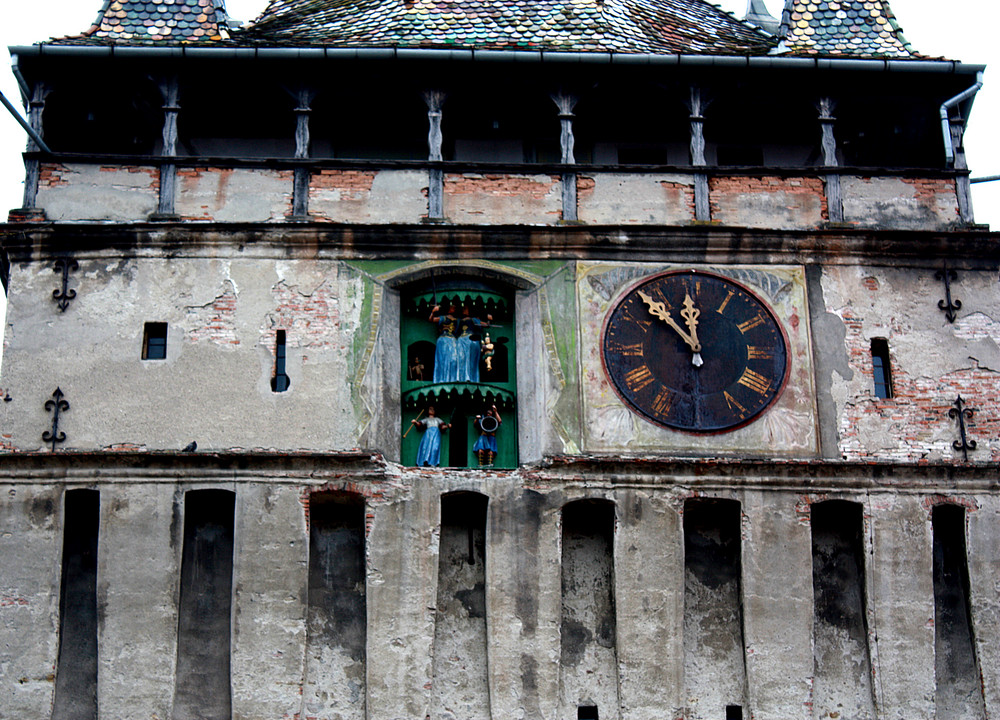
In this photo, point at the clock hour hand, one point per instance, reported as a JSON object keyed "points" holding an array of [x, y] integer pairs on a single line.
{"points": [[689, 313]]}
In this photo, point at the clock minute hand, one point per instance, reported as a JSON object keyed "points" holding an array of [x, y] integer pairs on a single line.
{"points": [[690, 314], [659, 310]]}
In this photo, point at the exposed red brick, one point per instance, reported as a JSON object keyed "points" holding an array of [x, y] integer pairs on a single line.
{"points": [[918, 410], [354, 182], [51, 175], [215, 322], [498, 185], [722, 186]]}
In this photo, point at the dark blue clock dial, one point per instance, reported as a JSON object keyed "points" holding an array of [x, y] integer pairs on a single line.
{"points": [[694, 351]]}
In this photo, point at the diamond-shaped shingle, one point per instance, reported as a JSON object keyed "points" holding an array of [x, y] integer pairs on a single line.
{"points": [[157, 21], [643, 26], [854, 28]]}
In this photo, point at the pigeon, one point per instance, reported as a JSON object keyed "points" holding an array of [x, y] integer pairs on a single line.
{"points": [[190, 447]]}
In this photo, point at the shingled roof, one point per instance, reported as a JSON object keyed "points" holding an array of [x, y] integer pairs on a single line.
{"points": [[636, 26], [157, 21], [852, 28]]}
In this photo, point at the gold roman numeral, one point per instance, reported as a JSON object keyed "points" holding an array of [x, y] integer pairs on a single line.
{"points": [[662, 402], [756, 382], [639, 378], [734, 405], [633, 350], [643, 325], [725, 302], [756, 353], [750, 324]]}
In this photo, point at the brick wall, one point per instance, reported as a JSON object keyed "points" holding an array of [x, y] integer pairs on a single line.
{"points": [[772, 202]]}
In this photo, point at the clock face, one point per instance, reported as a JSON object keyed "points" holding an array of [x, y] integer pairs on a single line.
{"points": [[696, 352]]}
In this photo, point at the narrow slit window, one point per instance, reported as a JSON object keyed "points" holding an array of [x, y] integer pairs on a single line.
{"points": [[280, 381], [881, 368], [154, 341], [734, 712], [586, 712]]}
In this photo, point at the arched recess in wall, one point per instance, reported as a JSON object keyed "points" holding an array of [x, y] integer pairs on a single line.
{"points": [[958, 686], [460, 684], [336, 619], [842, 656], [461, 359], [588, 668]]}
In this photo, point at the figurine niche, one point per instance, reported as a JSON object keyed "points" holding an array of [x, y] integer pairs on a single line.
{"points": [[456, 357], [486, 446], [429, 451]]}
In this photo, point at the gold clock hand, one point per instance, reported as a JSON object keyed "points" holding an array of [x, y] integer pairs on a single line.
{"points": [[658, 309], [690, 314]]}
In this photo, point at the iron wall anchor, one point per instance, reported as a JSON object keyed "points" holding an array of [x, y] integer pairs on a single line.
{"points": [[961, 413], [949, 306], [56, 405], [64, 295]]}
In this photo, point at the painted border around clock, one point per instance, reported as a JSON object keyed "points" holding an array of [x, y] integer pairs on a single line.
{"points": [[613, 305]]}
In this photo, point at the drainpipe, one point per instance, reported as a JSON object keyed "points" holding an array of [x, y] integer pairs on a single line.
{"points": [[35, 137], [946, 106], [953, 131]]}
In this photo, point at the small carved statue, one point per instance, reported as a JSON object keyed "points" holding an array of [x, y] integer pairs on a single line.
{"points": [[488, 352], [429, 450], [447, 363], [417, 369], [486, 446]]}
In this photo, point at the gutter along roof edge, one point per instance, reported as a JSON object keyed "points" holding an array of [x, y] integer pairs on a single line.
{"points": [[548, 56]]}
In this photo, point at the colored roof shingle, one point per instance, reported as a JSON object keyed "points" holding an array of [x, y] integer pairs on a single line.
{"points": [[636, 26], [157, 21], [852, 28]]}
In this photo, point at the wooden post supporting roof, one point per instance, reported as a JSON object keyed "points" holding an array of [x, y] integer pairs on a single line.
{"points": [[300, 188], [170, 90], [696, 106], [566, 102], [834, 197], [435, 188], [33, 167]]}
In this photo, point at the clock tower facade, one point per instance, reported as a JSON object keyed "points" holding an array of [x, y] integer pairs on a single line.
{"points": [[575, 360]]}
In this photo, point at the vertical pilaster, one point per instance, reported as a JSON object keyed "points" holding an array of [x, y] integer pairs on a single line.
{"points": [[435, 188], [566, 102], [168, 169], [834, 198], [696, 107], [300, 189]]}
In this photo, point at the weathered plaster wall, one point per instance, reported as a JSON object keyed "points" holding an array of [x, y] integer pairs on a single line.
{"points": [[71, 193], [904, 203], [139, 565], [368, 196], [30, 551], [615, 198], [233, 194], [768, 202], [214, 387], [933, 362], [502, 199]]}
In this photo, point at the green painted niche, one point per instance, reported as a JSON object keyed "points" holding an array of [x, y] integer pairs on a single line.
{"points": [[457, 400]]}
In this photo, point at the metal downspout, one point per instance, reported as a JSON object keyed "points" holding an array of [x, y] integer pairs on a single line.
{"points": [[946, 106], [24, 123]]}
